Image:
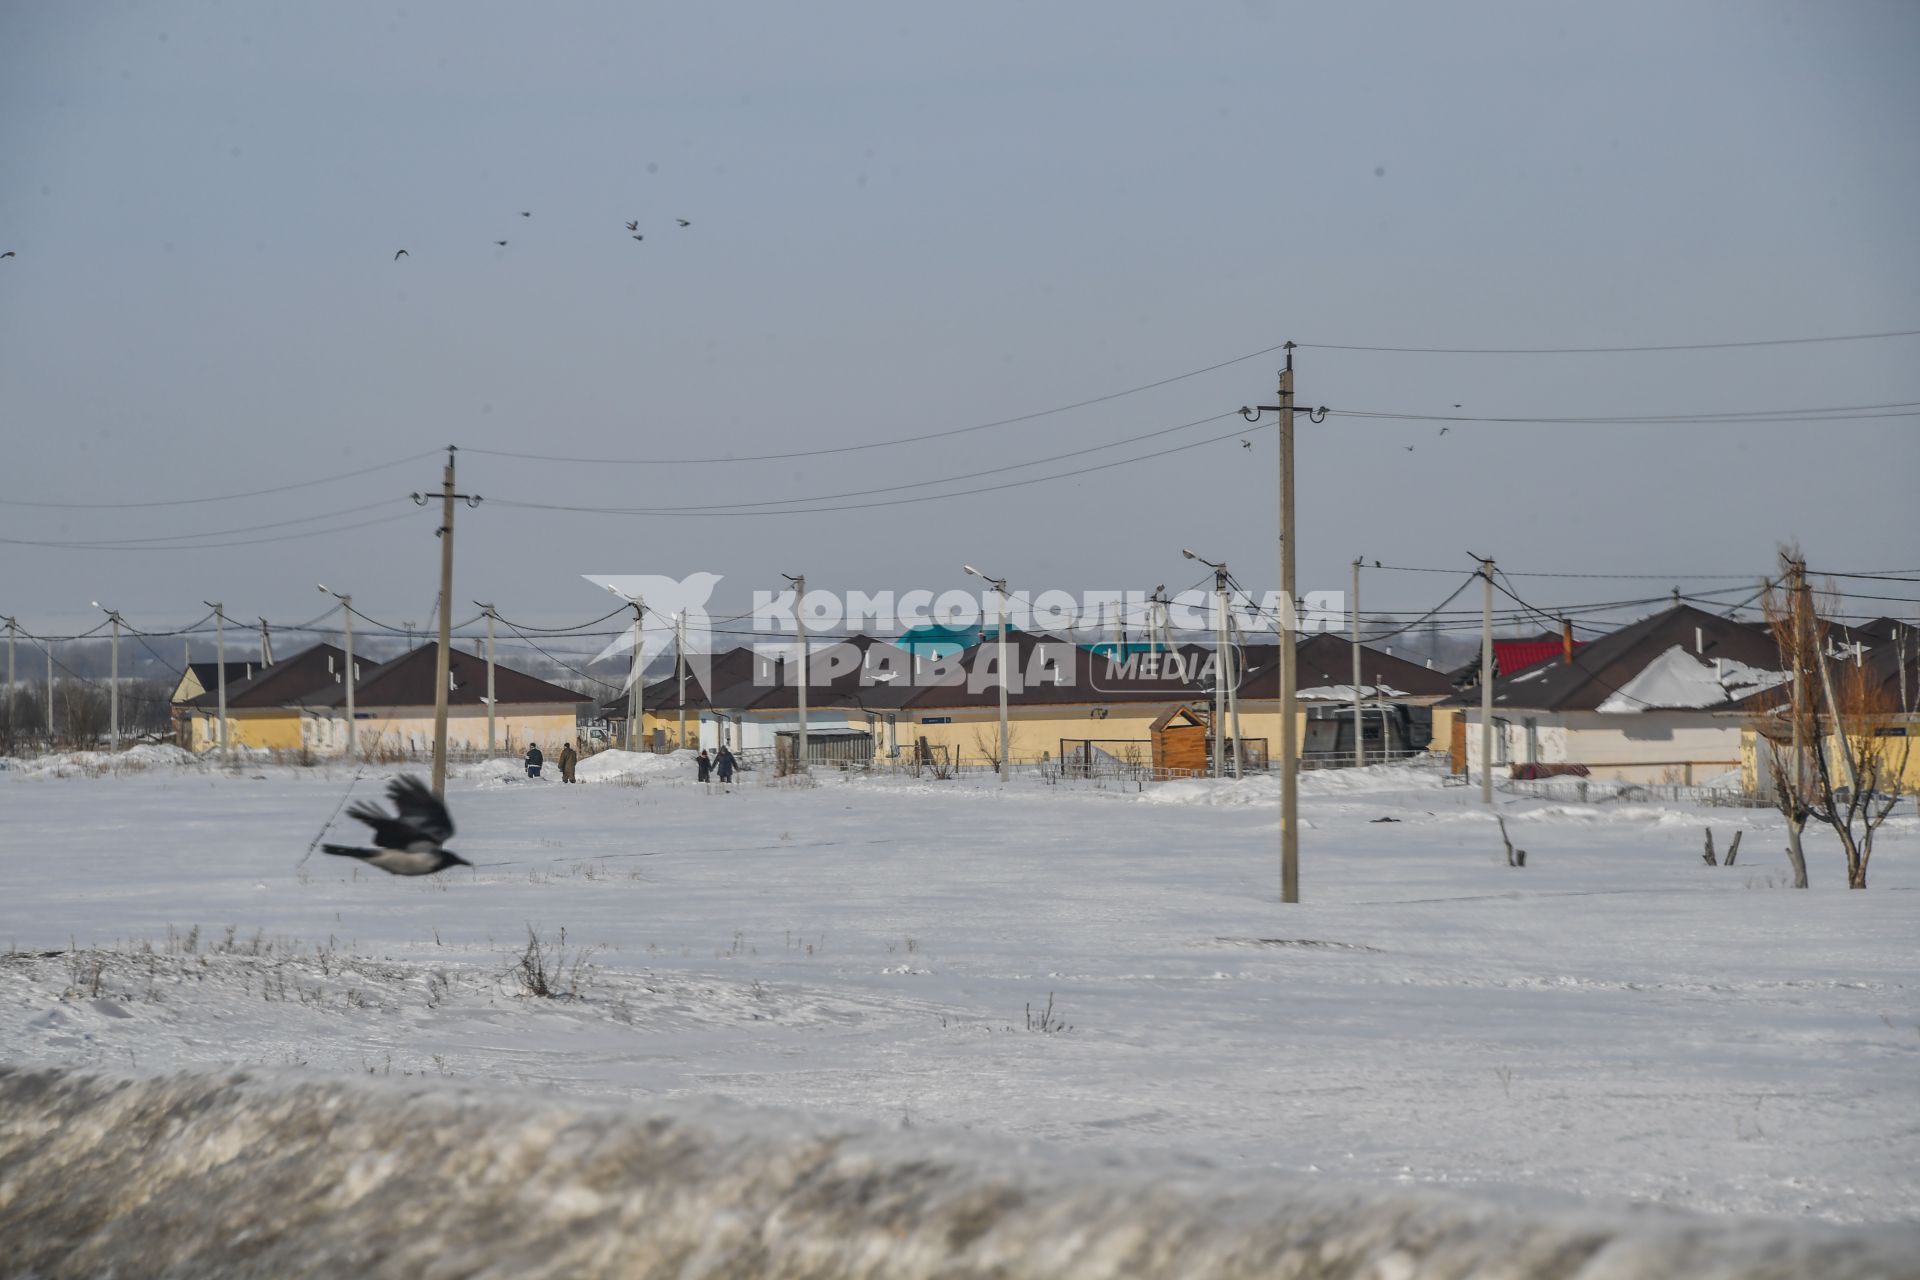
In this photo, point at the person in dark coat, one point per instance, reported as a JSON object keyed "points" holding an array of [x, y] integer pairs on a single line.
{"points": [[725, 765], [703, 766], [534, 760], [568, 759]]}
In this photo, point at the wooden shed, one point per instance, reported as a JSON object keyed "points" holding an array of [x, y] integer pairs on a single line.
{"points": [[1180, 742]]}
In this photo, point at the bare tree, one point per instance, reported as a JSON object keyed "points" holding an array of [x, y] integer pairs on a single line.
{"points": [[1826, 743]]}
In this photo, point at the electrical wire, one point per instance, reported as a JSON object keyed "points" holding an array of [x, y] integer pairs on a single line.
{"points": [[216, 533], [742, 508], [882, 444], [1837, 413], [1582, 351], [723, 510], [208, 546], [222, 497]]}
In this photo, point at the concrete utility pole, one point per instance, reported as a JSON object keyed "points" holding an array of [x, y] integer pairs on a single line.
{"points": [[1359, 737], [49, 652], [1289, 627], [1225, 704], [266, 645], [637, 675], [1486, 682], [443, 666], [1233, 691], [999, 586], [113, 681], [803, 743], [220, 670], [346, 677], [14, 626], [680, 665], [487, 609]]}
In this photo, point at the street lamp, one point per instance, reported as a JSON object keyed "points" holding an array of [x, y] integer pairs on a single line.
{"points": [[113, 686], [804, 756], [346, 618], [1226, 675], [1000, 588]]}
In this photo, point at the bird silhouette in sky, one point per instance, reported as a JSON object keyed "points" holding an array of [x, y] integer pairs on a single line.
{"points": [[7, 254], [639, 237], [683, 222], [1409, 448], [501, 243], [402, 254], [1443, 430], [409, 842], [634, 225], [526, 213], [1246, 444]]}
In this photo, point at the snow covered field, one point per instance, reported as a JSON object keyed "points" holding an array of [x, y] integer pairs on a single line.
{"points": [[1617, 1022]]}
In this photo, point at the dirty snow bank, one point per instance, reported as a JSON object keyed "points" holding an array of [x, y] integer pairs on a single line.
{"points": [[236, 1174], [145, 755]]}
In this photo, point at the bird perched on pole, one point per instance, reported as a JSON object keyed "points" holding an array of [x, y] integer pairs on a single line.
{"points": [[410, 842]]}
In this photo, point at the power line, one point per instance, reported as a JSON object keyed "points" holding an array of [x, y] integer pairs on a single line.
{"points": [[724, 510], [1832, 413], [1582, 351], [211, 533], [207, 546], [884, 444], [742, 508], [222, 497]]}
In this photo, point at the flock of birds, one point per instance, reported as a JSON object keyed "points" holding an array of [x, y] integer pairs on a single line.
{"points": [[633, 228]]}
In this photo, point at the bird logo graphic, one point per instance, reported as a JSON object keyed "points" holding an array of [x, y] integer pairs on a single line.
{"points": [[661, 600]]}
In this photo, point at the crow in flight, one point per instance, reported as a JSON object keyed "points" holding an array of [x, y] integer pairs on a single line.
{"points": [[639, 237], [7, 254], [410, 840], [501, 243], [634, 225], [526, 213], [683, 222], [402, 254]]}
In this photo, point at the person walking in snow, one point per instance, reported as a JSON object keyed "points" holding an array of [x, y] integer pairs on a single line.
{"points": [[724, 765], [534, 760], [703, 767], [568, 759]]}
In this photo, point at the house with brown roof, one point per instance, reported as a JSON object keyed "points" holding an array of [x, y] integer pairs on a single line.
{"points": [[264, 709], [394, 709], [1659, 700]]}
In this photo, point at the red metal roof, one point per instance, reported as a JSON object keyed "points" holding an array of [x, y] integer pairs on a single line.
{"points": [[1510, 656]]}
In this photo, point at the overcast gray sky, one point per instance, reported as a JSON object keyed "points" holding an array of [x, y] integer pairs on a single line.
{"points": [[910, 218]]}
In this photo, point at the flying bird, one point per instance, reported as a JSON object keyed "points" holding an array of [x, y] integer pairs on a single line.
{"points": [[409, 841], [683, 222], [501, 243], [1443, 430], [634, 225], [1409, 448], [639, 237], [7, 254], [1246, 444], [526, 213], [402, 254]]}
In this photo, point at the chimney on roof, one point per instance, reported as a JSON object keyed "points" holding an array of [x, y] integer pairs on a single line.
{"points": [[1566, 642]]}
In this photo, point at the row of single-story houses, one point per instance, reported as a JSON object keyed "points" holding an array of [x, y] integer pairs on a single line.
{"points": [[300, 704], [1681, 696]]}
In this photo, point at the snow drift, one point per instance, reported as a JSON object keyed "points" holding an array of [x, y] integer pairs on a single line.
{"points": [[258, 1175]]}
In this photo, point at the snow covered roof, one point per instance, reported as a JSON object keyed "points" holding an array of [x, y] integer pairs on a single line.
{"points": [[1682, 657]]}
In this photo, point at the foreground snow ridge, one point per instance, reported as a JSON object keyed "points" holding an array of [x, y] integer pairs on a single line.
{"points": [[210, 1175]]}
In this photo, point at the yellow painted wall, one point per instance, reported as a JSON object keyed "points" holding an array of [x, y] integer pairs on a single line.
{"points": [[409, 730], [1032, 732], [1755, 774], [271, 729]]}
